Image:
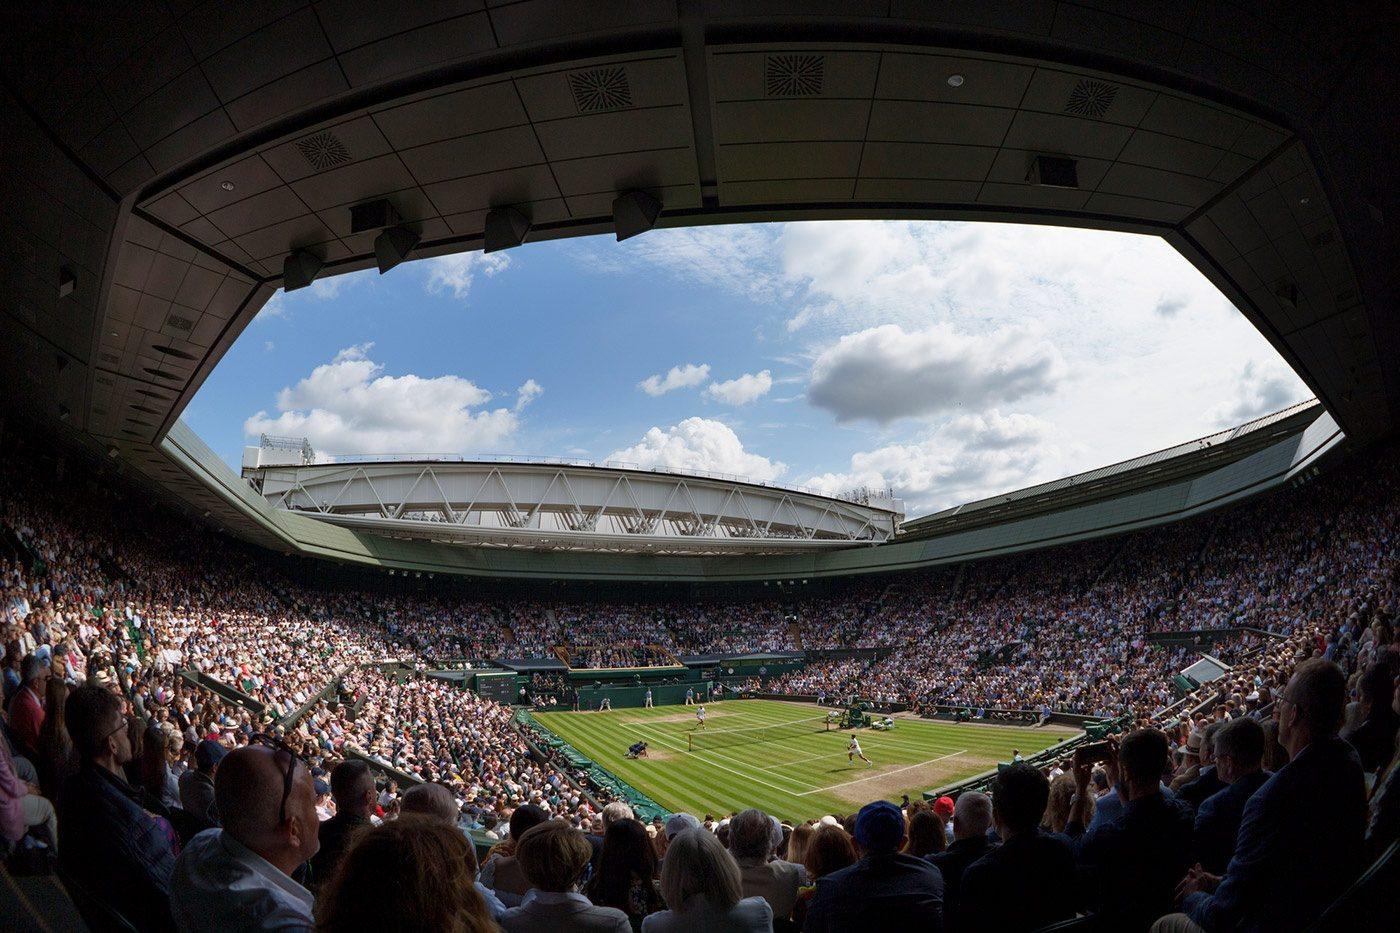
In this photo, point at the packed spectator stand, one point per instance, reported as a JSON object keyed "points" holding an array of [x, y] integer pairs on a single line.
{"points": [[121, 625]]}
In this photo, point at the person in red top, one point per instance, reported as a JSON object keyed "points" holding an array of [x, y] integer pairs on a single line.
{"points": [[27, 705]]}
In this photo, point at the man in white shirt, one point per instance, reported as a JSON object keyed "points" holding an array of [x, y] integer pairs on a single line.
{"points": [[238, 878]]}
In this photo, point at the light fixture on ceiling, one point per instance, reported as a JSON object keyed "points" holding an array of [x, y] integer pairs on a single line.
{"points": [[226, 185], [63, 412], [634, 212], [67, 281], [392, 247], [506, 227], [1305, 200], [300, 269], [112, 452], [955, 80]]}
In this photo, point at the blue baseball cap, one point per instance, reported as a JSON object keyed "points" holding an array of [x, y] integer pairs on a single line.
{"points": [[879, 826], [208, 753]]}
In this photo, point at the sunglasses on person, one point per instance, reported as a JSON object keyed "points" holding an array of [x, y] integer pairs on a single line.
{"points": [[277, 745]]}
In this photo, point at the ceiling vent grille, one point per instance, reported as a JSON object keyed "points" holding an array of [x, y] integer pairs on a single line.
{"points": [[179, 323], [793, 75], [323, 150], [1091, 98], [601, 89]]}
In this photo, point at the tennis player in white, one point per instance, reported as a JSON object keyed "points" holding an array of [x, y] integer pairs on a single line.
{"points": [[853, 752], [700, 716]]}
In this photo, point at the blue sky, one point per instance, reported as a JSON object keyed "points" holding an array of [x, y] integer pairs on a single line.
{"points": [[948, 360]]}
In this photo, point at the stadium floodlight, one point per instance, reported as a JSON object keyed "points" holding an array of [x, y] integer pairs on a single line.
{"points": [[506, 227], [300, 269], [393, 246], [634, 212]]}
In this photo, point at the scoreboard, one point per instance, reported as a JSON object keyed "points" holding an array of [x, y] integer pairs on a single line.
{"points": [[503, 687]]}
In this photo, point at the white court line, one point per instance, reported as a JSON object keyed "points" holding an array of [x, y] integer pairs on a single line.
{"points": [[871, 777], [746, 776]]}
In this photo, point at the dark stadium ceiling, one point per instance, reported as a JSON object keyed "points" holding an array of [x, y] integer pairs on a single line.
{"points": [[162, 159]]}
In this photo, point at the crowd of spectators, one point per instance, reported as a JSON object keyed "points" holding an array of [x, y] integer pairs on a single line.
{"points": [[171, 797]]}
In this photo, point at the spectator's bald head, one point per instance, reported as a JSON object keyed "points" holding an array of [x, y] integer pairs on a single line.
{"points": [[432, 801], [248, 793]]}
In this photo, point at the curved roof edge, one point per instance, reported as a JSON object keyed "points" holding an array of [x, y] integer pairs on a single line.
{"points": [[1189, 458], [1194, 491]]}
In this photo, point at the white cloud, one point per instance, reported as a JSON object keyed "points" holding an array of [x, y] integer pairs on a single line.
{"points": [[742, 390], [966, 458], [456, 273], [735, 258], [350, 406], [527, 393], [1259, 390], [269, 346], [685, 376], [885, 373], [699, 444]]}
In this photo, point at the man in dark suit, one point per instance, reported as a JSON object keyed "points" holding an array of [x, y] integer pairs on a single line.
{"points": [[352, 786], [1300, 841], [972, 818], [1024, 883], [1239, 757], [1131, 865]]}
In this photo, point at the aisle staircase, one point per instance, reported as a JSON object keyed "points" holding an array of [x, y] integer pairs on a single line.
{"points": [[795, 633]]}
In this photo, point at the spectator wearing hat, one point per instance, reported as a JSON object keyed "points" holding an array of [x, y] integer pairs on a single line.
{"points": [[945, 808], [1022, 883], [1190, 767], [972, 818], [886, 889], [1239, 758], [197, 786], [1284, 880], [1208, 780], [1133, 863]]}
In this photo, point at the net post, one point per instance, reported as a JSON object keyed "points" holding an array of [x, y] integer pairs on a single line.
{"points": [[690, 741]]}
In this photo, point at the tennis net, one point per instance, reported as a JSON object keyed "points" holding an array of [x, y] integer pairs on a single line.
{"points": [[697, 740]]}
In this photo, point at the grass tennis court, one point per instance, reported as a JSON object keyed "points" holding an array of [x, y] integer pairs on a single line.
{"points": [[796, 773]]}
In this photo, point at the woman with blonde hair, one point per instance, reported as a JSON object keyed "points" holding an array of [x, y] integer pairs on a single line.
{"points": [[413, 875], [701, 884], [1061, 799]]}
